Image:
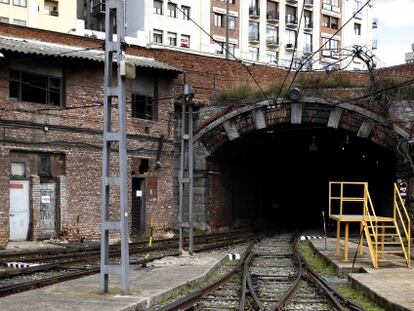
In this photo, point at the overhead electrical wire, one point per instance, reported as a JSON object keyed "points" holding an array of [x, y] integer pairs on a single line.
{"points": [[224, 48], [323, 45]]}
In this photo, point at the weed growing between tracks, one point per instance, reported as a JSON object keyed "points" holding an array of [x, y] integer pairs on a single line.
{"points": [[327, 271], [2, 247]]}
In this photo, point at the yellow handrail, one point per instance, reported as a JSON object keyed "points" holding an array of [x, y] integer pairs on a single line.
{"points": [[405, 223]]}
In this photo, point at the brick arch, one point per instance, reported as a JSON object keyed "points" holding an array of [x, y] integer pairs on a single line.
{"points": [[257, 116]]}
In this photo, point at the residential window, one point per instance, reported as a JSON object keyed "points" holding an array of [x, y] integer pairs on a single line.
{"points": [[271, 34], [4, 19], [335, 3], [272, 11], [5, 1], [290, 36], [143, 107], [186, 12], [254, 7], [253, 31], [271, 57], [308, 19], [172, 38], [36, 88], [358, 5], [325, 21], [307, 48], [51, 8], [185, 41], [19, 2], [157, 36], [232, 49], [357, 29], [219, 48], [19, 22], [172, 10], [218, 20], [334, 46], [334, 22], [232, 1], [254, 53], [290, 14], [232, 22], [158, 7]]}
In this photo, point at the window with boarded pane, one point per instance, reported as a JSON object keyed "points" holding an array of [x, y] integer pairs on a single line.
{"points": [[35, 88], [44, 165], [143, 107]]}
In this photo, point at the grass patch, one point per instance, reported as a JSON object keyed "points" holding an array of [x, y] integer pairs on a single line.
{"points": [[2, 247], [333, 81], [400, 92], [320, 266]]}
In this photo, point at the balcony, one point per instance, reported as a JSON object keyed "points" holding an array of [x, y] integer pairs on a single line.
{"points": [[272, 42], [292, 1], [375, 23], [336, 9], [307, 49], [254, 12], [308, 26], [358, 15], [290, 46], [98, 7], [308, 4], [272, 17], [291, 21], [254, 38]]}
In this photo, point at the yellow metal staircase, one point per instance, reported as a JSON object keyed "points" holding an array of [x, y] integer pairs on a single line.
{"points": [[384, 235]]}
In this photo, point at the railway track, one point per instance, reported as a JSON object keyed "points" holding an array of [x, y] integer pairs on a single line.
{"points": [[54, 266], [270, 276]]}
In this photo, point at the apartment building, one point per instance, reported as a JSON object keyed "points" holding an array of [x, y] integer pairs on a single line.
{"points": [[409, 57], [54, 15], [263, 31]]}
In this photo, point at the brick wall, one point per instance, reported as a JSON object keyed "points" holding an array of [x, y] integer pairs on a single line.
{"points": [[4, 193]]}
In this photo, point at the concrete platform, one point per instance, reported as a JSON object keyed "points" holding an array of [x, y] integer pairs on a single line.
{"points": [[392, 285], [159, 281]]}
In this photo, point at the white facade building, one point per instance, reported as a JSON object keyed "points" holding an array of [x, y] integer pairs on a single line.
{"points": [[261, 31]]}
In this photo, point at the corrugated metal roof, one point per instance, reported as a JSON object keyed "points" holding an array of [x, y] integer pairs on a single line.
{"points": [[28, 46]]}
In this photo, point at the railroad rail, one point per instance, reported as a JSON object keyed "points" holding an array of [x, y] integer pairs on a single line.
{"points": [[58, 267], [271, 275]]}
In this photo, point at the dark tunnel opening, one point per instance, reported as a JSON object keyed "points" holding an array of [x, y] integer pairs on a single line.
{"points": [[280, 176]]}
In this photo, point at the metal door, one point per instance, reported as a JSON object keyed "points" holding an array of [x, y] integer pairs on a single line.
{"points": [[137, 209], [47, 211], [19, 210]]}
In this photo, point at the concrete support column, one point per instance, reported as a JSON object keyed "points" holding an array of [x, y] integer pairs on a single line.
{"points": [[35, 210]]}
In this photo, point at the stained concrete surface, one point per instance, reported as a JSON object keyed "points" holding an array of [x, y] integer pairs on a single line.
{"points": [[392, 285], [159, 281]]}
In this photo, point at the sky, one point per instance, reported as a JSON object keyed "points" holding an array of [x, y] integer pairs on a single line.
{"points": [[395, 31]]}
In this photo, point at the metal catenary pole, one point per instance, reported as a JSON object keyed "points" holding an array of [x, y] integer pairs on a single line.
{"points": [[186, 170], [114, 89]]}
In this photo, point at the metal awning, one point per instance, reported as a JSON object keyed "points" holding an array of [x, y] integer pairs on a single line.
{"points": [[34, 47]]}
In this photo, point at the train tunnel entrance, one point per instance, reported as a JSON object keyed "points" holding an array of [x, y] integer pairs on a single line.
{"points": [[280, 176]]}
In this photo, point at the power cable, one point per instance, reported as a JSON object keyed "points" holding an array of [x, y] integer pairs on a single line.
{"points": [[325, 43], [225, 49], [293, 53]]}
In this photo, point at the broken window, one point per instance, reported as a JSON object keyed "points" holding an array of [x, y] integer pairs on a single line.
{"points": [[142, 107], [35, 88]]}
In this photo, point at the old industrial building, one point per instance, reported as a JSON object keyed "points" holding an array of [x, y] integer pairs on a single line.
{"points": [[253, 156], [51, 120]]}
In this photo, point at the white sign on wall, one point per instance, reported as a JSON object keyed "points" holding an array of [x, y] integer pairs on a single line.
{"points": [[45, 199]]}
